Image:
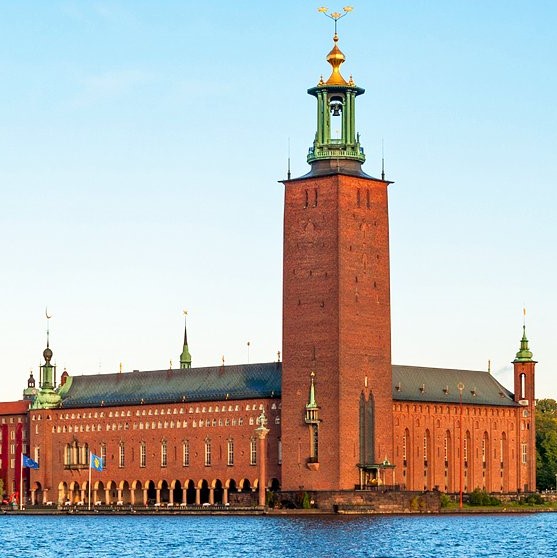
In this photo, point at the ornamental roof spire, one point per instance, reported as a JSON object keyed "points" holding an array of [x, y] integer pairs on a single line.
{"points": [[312, 404], [336, 56], [185, 357], [524, 354]]}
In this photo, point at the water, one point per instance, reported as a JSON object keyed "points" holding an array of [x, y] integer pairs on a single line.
{"points": [[531, 535]]}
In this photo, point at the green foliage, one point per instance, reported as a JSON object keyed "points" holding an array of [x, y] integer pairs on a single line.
{"points": [[306, 504], [445, 500], [482, 498], [532, 500], [546, 443], [417, 504], [272, 500], [1, 488]]}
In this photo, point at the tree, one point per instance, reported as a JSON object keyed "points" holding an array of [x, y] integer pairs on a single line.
{"points": [[546, 443]]}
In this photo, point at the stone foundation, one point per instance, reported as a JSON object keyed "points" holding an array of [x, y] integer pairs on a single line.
{"points": [[364, 501]]}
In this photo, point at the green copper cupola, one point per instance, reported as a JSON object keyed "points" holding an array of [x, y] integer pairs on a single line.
{"points": [[524, 354], [47, 398], [336, 144]]}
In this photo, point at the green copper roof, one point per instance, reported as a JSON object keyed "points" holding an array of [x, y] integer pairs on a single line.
{"points": [[524, 354], [245, 381], [312, 404], [251, 381], [439, 385]]}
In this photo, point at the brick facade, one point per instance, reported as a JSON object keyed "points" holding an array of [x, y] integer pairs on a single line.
{"points": [[14, 436], [336, 323], [153, 453]]}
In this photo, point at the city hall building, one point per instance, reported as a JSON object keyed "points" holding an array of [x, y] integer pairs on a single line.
{"points": [[335, 417]]}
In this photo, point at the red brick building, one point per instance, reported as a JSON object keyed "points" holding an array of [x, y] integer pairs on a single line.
{"points": [[14, 437], [340, 416]]}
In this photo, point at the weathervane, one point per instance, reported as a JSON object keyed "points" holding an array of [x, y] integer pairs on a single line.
{"points": [[47, 326], [335, 16]]}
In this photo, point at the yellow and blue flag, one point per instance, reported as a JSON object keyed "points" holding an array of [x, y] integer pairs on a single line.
{"points": [[29, 463], [96, 462]]}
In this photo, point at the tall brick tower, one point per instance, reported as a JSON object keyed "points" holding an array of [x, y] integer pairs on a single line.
{"points": [[336, 386], [524, 394]]}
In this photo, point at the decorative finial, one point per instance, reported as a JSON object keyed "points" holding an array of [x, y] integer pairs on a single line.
{"points": [[382, 159], [47, 327], [336, 57], [335, 16], [120, 368], [185, 357]]}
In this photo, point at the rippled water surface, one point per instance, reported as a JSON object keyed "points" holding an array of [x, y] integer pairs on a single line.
{"points": [[491, 536]]}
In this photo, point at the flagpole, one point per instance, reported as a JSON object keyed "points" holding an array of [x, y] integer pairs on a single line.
{"points": [[21, 481], [89, 504]]}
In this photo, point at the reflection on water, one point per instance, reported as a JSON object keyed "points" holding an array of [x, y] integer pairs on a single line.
{"points": [[530, 535]]}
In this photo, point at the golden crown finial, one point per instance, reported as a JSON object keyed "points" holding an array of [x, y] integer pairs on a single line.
{"points": [[335, 57], [335, 16]]}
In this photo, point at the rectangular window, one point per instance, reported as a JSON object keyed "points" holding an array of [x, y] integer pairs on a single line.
{"points": [[142, 455], [121, 456], [230, 452], [186, 454], [164, 454], [38, 454], [483, 451], [103, 455], [465, 449], [524, 453], [280, 452], [253, 452], [207, 452]]}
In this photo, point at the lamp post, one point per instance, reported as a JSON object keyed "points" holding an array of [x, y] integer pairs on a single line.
{"points": [[460, 387], [262, 432]]}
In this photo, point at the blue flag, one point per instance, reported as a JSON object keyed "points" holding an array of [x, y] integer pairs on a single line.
{"points": [[30, 463], [96, 462]]}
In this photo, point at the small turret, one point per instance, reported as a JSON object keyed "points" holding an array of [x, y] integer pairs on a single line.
{"points": [[47, 397], [30, 391], [524, 354], [185, 357]]}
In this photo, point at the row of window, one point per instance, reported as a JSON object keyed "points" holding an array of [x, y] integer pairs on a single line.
{"points": [[12, 435], [455, 410], [201, 423], [12, 420], [77, 456], [168, 411], [466, 444]]}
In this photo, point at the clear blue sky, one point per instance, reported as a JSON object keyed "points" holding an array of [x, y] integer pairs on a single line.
{"points": [[141, 144]]}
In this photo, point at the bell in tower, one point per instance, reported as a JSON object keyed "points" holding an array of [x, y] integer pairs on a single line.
{"points": [[336, 142]]}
